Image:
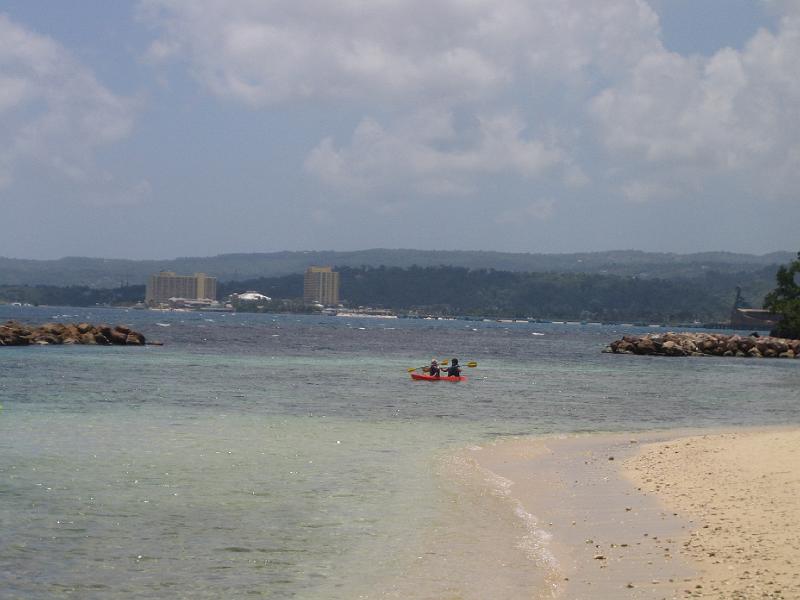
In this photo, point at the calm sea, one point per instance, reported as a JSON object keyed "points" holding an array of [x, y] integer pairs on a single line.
{"points": [[292, 457]]}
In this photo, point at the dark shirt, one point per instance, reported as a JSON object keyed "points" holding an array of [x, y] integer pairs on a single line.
{"points": [[454, 371]]}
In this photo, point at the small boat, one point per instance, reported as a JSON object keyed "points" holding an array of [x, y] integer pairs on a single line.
{"points": [[418, 377]]}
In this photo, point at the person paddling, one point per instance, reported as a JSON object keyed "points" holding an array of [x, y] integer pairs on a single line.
{"points": [[454, 370], [434, 370]]}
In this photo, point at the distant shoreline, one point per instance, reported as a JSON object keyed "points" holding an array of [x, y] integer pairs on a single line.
{"points": [[401, 315]]}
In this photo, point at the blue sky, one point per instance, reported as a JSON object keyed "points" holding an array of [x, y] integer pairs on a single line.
{"points": [[165, 128]]}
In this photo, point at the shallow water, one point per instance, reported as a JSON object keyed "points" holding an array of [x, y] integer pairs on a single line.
{"points": [[292, 457]]}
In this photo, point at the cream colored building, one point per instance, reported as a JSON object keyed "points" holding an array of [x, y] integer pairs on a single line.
{"points": [[166, 284], [321, 284]]}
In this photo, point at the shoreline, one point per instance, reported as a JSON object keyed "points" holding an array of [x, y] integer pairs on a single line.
{"points": [[636, 515]]}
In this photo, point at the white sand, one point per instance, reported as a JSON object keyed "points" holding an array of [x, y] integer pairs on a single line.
{"points": [[662, 515], [741, 491]]}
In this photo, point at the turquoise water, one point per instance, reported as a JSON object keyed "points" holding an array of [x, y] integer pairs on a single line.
{"points": [[292, 457]]}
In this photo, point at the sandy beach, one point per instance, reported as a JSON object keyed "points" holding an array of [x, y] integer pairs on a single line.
{"points": [[741, 492], [661, 515]]}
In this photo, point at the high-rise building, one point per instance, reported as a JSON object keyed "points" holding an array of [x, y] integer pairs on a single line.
{"points": [[166, 284], [321, 284]]}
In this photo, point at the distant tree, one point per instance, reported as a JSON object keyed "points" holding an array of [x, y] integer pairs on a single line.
{"points": [[785, 300]]}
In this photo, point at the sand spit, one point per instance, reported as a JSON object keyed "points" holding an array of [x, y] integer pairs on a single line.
{"points": [[661, 515], [608, 540], [741, 491]]}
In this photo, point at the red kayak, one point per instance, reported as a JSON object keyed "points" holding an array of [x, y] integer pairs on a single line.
{"points": [[418, 377]]}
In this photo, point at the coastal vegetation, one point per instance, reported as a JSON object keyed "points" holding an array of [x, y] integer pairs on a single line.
{"points": [[785, 300], [111, 273], [568, 296], [461, 291], [73, 295]]}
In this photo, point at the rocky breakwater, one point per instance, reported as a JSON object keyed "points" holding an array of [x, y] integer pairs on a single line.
{"points": [[706, 344], [18, 334]]}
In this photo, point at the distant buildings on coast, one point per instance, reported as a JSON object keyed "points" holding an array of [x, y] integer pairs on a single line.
{"points": [[744, 317], [168, 288], [321, 286], [321, 294]]}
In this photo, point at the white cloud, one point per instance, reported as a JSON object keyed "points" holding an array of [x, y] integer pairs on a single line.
{"points": [[426, 150], [455, 83], [265, 52], [572, 90], [736, 113], [54, 113]]}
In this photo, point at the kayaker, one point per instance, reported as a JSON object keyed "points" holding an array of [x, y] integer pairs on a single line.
{"points": [[454, 370], [434, 370]]}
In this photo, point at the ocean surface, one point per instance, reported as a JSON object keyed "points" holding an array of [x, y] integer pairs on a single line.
{"points": [[285, 456]]}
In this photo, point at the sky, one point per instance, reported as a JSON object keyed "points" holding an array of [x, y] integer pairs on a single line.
{"points": [[165, 128]]}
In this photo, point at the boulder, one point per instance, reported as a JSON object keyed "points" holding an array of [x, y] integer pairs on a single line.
{"points": [[135, 339], [689, 346], [754, 353], [644, 346], [16, 334], [623, 347], [673, 349], [706, 344], [117, 337]]}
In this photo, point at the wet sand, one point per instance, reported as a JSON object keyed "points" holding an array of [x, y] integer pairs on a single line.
{"points": [[608, 539], [661, 515]]}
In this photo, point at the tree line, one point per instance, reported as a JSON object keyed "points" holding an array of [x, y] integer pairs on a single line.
{"points": [[785, 300], [448, 290], [486, 292]]}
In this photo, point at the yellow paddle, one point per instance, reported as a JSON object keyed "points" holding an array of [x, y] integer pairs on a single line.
{"points": [[471, 364]]}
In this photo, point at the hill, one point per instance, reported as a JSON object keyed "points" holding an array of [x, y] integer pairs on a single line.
{"points": [[478, 292], [109, 273], [570, 296]]}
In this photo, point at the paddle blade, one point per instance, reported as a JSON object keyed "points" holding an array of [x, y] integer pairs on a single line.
{"points": [[472, 364], [412, 369]]}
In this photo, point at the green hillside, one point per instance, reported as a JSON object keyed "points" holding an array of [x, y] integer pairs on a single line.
{"points": [[109, 273]]}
